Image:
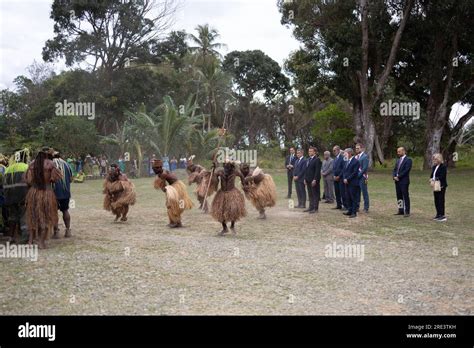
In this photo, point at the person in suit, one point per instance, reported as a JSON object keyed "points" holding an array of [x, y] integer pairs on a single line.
{"points": [[351, 180], [401, 177], [312, 180], [290, 164], [338, 167], [299, 174], [439, 172], [363, 176], [328, 177]]}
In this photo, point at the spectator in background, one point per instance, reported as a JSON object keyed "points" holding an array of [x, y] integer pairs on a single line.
{"points": [[351, 180], [338, 167], [328, 178], [299, 174], [173, 164], [312, 179], [289, 164], [439, 183], [363, 176], [150, 167], [121, 164], [401, 177], [79, 178], [103, 166]]}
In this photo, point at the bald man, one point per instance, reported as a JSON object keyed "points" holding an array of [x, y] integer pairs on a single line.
{"points": [[401, 177]]}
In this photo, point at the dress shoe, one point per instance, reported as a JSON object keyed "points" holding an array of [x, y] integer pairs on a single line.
{"points": [[352, 216], [307, 210], [312, 211], [398, 214], [337, 208], [347, 213]]}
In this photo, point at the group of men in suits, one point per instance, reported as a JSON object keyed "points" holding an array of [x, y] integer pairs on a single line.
{"points": [[345, 179], [344, 176]]}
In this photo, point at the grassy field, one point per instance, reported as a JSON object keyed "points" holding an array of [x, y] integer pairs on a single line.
{"points": [[275, 266]]}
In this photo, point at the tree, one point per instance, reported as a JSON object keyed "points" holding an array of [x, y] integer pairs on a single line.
{"points": [[111, 32], [437, 69], [252, 72], [204, 43], [355, 45], [69, 134], [331, 127]]}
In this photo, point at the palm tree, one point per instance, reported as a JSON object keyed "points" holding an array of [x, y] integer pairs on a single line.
{"points": [[168, 127], [204, 43], [217, 86]]}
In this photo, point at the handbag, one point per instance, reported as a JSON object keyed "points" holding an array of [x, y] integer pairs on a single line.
{"points": [[437, 186]]}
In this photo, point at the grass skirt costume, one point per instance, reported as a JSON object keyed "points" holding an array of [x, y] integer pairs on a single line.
{"points": [[119, 195], [42, 207], [229, 203], [177, 198], [262, 194]]}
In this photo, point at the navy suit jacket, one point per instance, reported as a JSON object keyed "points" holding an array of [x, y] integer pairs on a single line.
{"points": [[404, 172], [351, 172], [300, 169], [364, 165], [313, 169], [338, 165]]}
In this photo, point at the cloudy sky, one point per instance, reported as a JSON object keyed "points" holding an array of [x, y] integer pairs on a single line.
{"points": [[243, 24]]}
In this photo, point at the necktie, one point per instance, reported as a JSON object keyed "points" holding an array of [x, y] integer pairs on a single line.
{"points": [[399, 164]]}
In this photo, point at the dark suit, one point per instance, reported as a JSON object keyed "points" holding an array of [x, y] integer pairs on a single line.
{"points": [[363, 175], [402, 171], [350, 173], [290, 159], [313, 172], [339, 188], [441, 175], [299, 171]]}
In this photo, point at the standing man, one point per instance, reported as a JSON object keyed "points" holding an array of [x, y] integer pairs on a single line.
{"points": [[62, 190], [299, 174], [338, 167], [327, 171], [401, 176], [289, 164], [312, 180], [351, 180], [363, 176], [14, 190]]}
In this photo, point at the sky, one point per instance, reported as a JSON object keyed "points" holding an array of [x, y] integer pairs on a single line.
{"points": [[243, 25]]}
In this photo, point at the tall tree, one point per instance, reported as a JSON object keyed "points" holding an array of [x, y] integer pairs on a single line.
{"points": [[354, 44], [253, 72], [437, 68]]}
